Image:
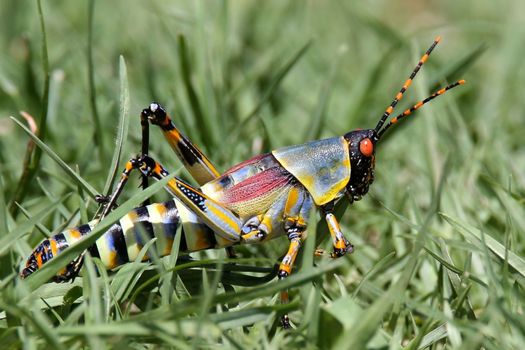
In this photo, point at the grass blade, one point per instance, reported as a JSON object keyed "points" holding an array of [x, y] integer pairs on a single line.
{"points": [[19, 231], [123, 123], [80, 181], [474, 235]]}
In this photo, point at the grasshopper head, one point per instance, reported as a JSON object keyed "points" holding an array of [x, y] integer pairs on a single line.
{"points": [[361, 144]]}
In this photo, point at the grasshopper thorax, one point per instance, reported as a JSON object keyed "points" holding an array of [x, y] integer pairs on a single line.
{"points": [[361, 146]]}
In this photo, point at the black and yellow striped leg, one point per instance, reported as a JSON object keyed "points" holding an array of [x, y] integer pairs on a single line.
{"points": [[194, 160], [341, 245], [285, 268]]}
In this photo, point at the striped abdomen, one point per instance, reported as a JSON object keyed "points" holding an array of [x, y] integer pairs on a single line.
{"points": [[123, 241]]}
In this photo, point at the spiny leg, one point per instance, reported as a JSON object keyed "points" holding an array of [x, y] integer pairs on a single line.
{"points": [[285, 268], [110, 201], [339, 241], [195, 161], [124, 177], [296, 213]]}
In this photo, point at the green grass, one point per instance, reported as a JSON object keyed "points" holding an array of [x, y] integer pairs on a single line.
{"points": [[439, 240]]}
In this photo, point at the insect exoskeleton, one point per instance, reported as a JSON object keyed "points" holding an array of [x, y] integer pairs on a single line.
{"points": [[267, 196]]}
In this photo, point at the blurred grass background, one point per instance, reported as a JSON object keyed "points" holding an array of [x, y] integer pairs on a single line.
{"points": [[439, 239]]}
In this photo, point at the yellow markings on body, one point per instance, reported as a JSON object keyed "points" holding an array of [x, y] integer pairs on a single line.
{"points": [[201, 239], [228, 220], [39, 260], [322, 166], [292, 200], [107, 255], [128, 222], [346, 163], [54, 248], [196, 238], [268, 222], [75, 235], [250, 235], [156, 212], [218, 218]]}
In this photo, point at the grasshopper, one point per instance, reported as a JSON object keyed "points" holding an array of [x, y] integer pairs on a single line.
{"points": [[268, 196]]}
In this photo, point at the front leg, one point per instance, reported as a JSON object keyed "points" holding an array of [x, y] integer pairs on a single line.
{"points": [[340, 243]]}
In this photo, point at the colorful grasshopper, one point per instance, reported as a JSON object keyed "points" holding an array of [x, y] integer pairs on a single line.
{"points": [[265, 197]]}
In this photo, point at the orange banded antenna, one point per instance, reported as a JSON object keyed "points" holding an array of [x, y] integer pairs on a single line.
{"points": [[407, 84], [420, 104]]}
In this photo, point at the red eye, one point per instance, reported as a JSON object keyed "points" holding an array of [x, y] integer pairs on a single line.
{"points": [[366, 147]]}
